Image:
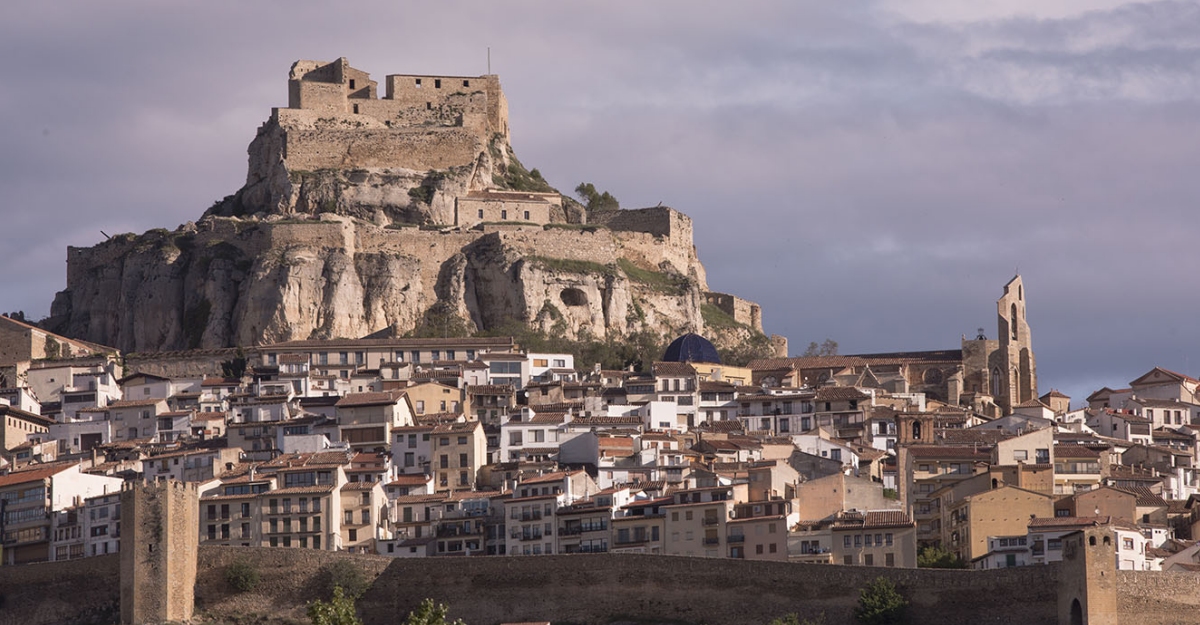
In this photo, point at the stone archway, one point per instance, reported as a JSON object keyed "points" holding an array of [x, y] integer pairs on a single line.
{"points": [[1076, 613]]}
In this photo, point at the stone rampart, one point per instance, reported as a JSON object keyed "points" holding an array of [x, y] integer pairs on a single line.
{"points": [[419, 149], [1158, 597], [743, 311], [599, 588], [195, 363]]}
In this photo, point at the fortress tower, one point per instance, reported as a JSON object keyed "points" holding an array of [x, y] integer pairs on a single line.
{"points": [[158, 552], [1087, 578]]}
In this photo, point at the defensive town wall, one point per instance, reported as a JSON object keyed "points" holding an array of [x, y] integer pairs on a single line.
{"points": [[596, 588]]}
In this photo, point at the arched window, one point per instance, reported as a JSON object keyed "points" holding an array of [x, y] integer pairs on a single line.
{"points": [[1013, 322], [996, 382], [916, 430]]}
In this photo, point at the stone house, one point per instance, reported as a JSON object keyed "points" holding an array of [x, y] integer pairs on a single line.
{"points": [[874, 538], [459, 450], [366, 420]]}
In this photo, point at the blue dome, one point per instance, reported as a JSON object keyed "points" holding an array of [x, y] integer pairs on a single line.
{"points": [[691, 347]]}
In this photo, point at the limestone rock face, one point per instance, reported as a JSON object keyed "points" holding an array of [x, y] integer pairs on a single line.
{"points": [[237, 282]]}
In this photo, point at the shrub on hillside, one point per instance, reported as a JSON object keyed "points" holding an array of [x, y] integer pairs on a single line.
{"points": [[241, 576], [343, 574]]}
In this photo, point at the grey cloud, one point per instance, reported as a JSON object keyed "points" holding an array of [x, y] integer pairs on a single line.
{"points": [[864, 177]]}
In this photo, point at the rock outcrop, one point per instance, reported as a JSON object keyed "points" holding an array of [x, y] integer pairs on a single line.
{"points": [[353, 222]]}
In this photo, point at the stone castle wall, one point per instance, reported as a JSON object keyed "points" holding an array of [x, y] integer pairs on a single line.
{"points": [[345, 145], [743, 311], [590, 589]]}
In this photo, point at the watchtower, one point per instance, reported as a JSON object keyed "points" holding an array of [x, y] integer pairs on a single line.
{"points": [[160, 525], [912, 428], [1087, 578]]}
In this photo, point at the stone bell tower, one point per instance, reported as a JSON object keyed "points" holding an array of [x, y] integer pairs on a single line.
{"points": [[1013, 374], [1087, 578]]}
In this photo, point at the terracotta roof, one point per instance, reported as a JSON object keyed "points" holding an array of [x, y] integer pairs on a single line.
{"points": [[33, 475], [948, 452], [135, 403], [673, 369], [840, 393], [370, 399], [731, 425], [873, 519], [411, 480], [547, 418], [1074, 451], [491, 389], [1068, 522], [612, 421], [1146, 497], [547, 477], [1056, 394]]}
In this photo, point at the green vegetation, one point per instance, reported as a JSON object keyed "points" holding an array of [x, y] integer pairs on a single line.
{"points": [[514, 176], [343, 575], [579, 227], [716, 318], [241, 576], [506, 223], [431, 614], [596, 201], [339, 610], [236, 366], [880, 603], [794, 619], [52, 348], [566, 265], [441, 321], [756, 347], [195, 320], [891, 493], [673, 284], [939, 558]]}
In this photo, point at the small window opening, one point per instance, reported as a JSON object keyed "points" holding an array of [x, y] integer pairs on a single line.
{"points": [[466, 83], [503, 214], [429, 106], [1013, 316], [1107, 541], [351, 83], [356, 109], [527, 215], [481, 213], [1092, 541], [418, 83], [437, 83]]}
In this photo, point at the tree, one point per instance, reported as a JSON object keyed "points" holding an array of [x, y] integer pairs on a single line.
{"points": [[337, 611], [431, 614], [880, 604], [236, 367], [241, 575], [595, 200], [827, 348], [939, 558]]}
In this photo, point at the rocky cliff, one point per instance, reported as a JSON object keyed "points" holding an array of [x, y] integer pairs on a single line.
{"points": [[348, 225]]}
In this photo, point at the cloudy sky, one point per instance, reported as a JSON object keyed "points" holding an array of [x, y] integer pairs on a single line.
{"points": [[869, 171]]}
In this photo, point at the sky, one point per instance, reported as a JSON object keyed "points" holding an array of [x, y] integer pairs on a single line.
{"points": [[871, 172]]}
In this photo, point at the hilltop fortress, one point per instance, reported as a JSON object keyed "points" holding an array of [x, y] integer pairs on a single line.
{"points": [[364, 215]]}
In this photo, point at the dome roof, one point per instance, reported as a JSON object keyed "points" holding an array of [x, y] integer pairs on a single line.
{"points": [[691, 347]]}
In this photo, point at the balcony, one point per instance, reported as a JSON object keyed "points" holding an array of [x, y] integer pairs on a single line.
{"points": [[531, 516], [736, 538], [712, 541], [711, 520]]}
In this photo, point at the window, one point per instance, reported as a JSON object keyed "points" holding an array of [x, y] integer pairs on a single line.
{"points": [[503, 214], [1020, 455], [846, 541]]}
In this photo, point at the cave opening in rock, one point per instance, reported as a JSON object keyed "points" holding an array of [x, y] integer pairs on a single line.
{"points": [[573, 297]]}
